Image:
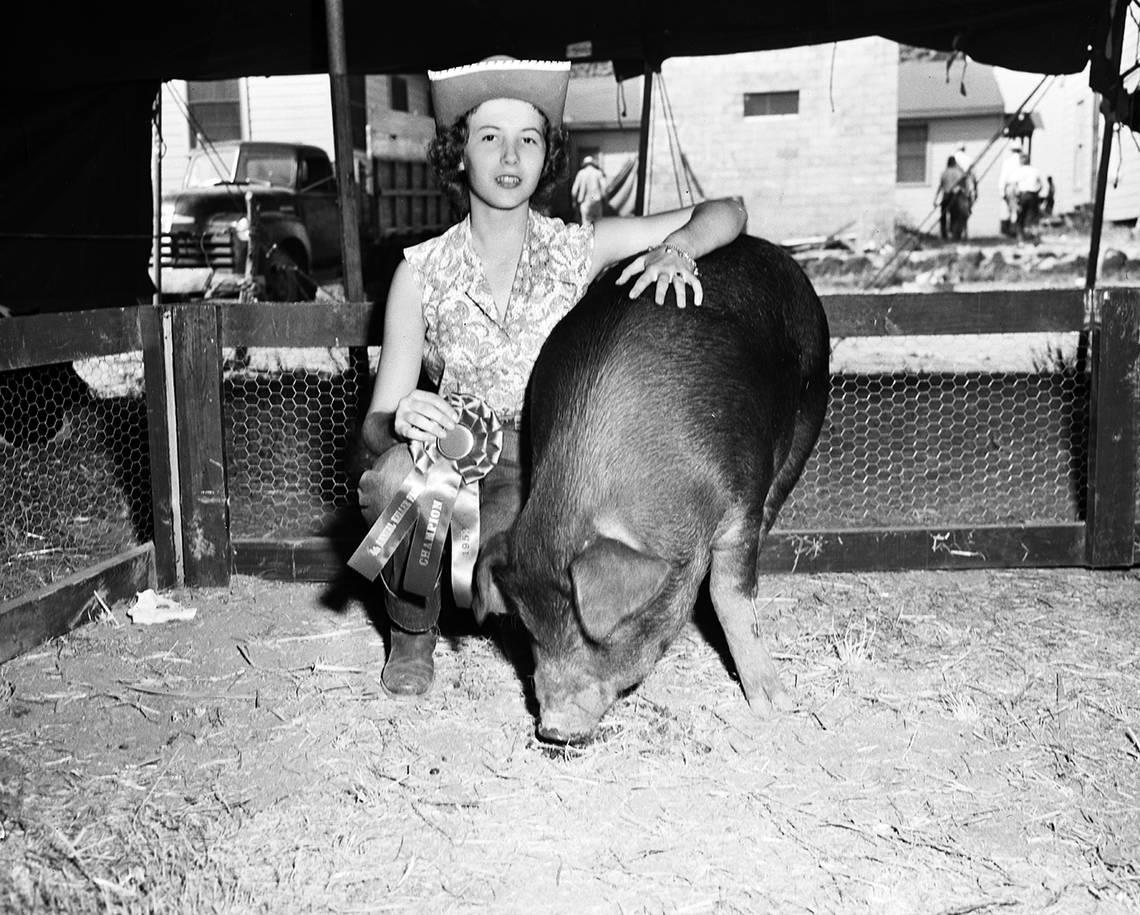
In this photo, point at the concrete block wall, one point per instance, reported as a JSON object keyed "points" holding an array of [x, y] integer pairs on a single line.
{"points": [[811, 173]]}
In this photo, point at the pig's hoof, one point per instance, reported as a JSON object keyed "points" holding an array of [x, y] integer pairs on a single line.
{"points": [[782, 701], [410, 668], [765, 704]]}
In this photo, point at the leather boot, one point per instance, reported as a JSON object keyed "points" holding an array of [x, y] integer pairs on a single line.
{"points": [[409, 669]]}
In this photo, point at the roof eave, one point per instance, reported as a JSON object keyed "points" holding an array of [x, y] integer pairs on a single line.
{"points": [[945, 113]]}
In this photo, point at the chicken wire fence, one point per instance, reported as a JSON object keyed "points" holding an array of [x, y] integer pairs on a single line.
{"points": [[947, 447], [74, 469], [897, 449], [290, 418]]}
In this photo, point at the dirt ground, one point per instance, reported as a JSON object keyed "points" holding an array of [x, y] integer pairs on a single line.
{"points": [[963, 742]]}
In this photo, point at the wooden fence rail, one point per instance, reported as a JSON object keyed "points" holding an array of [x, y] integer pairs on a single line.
{"points": [[182, 348]]}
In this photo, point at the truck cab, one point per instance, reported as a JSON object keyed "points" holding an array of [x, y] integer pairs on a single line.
{"points": [[252, 219]]}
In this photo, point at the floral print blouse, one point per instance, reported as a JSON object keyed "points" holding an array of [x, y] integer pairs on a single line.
{"points": [[467, 347]]}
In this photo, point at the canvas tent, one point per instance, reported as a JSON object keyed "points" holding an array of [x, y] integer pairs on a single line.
{"points": [[75, 190]]}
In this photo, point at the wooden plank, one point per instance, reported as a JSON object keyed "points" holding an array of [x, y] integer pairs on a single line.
{"points": [[867, 550], [298, 324], [924, 548], [309, 559], [158, 442], [206, 553], [861, 550], [31, 340], [1004, 311], [896, 314], [1115, 350], [30, 621]]}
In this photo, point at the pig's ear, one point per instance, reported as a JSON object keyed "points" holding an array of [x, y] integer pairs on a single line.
{"points": [[611, 582], [488, 598]]}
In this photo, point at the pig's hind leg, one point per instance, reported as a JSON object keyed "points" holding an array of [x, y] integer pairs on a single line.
{"points": [[734, 575], [805, 432], [732, 588]]}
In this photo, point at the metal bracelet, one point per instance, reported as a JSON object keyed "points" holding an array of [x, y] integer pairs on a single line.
{"points": [[684, 255]]}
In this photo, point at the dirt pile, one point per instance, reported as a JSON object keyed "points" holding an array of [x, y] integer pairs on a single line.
{"points": [[913, 265]]}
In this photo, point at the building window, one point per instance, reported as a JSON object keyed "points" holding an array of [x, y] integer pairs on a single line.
{"points": [[767, 104], [398, 93], [215, 111], [911, 153]]}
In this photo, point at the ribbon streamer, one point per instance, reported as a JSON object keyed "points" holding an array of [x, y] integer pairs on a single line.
{"points": [[443, 488]]}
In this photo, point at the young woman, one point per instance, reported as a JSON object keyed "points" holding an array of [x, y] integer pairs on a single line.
{"points": [[472, 307]]}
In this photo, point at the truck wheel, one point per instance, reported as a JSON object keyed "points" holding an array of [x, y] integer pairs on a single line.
{"points": [[285, 280]]}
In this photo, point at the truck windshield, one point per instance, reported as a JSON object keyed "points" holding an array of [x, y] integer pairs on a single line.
{"points": [[208, 167], [277, 169]]}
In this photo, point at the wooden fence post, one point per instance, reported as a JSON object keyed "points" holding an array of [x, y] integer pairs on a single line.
{"points": [[1115, 350], [167, 543], [206, 548]]}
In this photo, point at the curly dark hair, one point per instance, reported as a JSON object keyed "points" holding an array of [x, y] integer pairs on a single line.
{"points": [[445, 153]]}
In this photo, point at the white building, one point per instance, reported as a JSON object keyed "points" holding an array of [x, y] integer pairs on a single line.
{"points": [[391, 116]]}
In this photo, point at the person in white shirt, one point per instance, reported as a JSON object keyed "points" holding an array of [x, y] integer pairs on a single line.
{"points": [[1009, 191], [1029, 185], [963, 158], [588, 190]]}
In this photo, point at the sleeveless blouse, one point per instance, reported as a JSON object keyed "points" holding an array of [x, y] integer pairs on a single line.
{"points": [[467, 346]]}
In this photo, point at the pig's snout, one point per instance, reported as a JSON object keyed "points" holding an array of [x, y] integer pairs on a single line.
{"points": [[570, 708], [567, 724]]}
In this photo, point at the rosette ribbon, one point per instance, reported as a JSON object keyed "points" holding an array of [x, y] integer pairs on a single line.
{"points": [[441, 493]]}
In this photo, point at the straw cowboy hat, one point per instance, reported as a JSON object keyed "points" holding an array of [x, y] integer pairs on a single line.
{"points": [[543, 83]]}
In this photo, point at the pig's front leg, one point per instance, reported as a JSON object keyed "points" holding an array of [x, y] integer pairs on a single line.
{"points": [[736, 612]]}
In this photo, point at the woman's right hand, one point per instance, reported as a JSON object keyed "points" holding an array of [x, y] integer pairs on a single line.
{"points": [[424, 416]]}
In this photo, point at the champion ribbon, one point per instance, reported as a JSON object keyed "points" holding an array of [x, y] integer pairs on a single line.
{"points": [[441, 493]]}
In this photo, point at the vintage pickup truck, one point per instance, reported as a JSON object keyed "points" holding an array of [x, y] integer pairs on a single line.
{"points": [[253, 219], [260, 220]]}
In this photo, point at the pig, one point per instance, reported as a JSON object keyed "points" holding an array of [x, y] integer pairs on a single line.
{"points": [[663, 442]]}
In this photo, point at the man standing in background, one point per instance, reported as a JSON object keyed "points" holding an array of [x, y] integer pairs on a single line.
{"points": [[1008, 186], [951, 184], [1030, 186], [588, 189]]}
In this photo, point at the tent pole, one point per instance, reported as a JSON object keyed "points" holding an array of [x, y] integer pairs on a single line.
{"points": [[156, 197], [345, 161], [1098, 206], [1109, 62], [643, 140]]}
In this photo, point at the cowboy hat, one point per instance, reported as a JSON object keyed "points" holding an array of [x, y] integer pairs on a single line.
{"points": [[543, 83]]}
